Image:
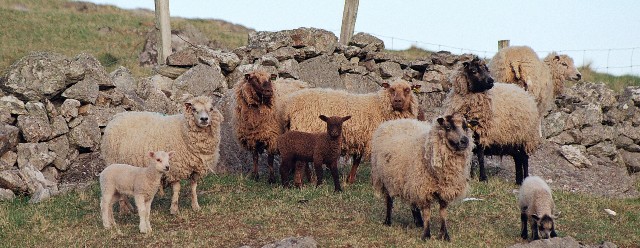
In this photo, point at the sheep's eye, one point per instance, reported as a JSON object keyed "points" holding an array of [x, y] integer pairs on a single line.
{"points": [[407, 90], [157, 159], [474, 71], [564, 63]]}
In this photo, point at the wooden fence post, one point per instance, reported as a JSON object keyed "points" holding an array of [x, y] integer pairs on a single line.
{"points": [[163, 25], [348, 20], [502, 44]]}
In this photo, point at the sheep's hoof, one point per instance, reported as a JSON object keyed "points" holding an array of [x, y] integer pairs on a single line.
{"points": [[444, 237], [387, 223], [524, 236], [195, 207]]}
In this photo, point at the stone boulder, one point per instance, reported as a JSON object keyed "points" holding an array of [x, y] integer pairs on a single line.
{"points": [[558, 242], [13, 105], [8, 160], [6, 195], [94, 71], [200, 80], [35, 155], [225, 60], [85, 91], [35, 125], [313, 41], [123, 80], [575, 156], [321, 71], [86, 135], [294, 242], [367, 41], [8, 138], [41, 75]]}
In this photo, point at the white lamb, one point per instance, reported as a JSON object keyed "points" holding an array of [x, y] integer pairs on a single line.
{"points": [[119, 180], [536, 205]]}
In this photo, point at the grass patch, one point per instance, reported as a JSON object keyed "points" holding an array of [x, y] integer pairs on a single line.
{"points": [[412, 53], [617, 83], [238, 211]]}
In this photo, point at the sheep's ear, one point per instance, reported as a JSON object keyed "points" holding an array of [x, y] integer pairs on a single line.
{"points": [[187, 106], [151, 154], [324, 118], [440, 121], [171, 153], [273, 77], [386, 85], [247, 76], [346, 118], [556, 58], [535, 217]]}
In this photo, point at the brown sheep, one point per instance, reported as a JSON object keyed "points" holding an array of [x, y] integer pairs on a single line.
{"points": [[319, 148], [256, 124]]}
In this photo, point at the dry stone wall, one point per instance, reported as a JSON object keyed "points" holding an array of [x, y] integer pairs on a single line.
{"points": [[53, 108]]}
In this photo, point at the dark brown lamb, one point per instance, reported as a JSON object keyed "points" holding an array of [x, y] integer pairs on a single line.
{"points": [[320, 148]]}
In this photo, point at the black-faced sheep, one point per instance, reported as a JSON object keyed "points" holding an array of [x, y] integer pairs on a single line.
{"points": [[504, 116], [543, 79], [422, 163], [319, 148], [393, 101], [256, 124], [121, 180], [194, 136], [536, 205]]}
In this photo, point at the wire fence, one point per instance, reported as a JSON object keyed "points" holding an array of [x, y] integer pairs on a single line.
{"points": [[617, 61]]}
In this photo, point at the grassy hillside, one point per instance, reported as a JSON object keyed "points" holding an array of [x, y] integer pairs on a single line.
{"points": [[238, 211], [113, 35]]}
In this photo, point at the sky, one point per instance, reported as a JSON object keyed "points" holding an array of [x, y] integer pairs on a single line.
{"points": [[603, 33]]}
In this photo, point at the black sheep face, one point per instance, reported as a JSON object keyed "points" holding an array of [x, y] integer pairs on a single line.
{"points": [[261, 84], [478, 77], [455, 130], [334, 125]]}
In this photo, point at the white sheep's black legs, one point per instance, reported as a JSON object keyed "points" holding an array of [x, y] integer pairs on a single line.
{"points": [[417, 217], [523, 220], [521, 161], [389, 202], [194, 194], [480, 155]]}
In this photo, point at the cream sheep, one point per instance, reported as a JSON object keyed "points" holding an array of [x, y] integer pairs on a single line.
{"points": [[543, 79], [422, 163], [536, 205], [121, 180], [300, 111], [194, 136], [256, 124], [562, 69], [505, 117]]}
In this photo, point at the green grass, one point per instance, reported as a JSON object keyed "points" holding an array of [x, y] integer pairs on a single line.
{"points": [[56, 26], [617, 83], [239, 211]]}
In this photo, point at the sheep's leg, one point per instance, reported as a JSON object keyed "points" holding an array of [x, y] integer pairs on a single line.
{"points": [[534, 230], [553, 232], [480, 154], [521, 160], [354, 168], [523, 220], [426, 215], [307, 171], [194, 194], [335, 174], [272, 176], [105, 204], [174, 198], [319, 173], [417, 217], [285, 169], [256, 175], [297, 173], [139, 199], [444, 233], [114, 198], [389, 202]]}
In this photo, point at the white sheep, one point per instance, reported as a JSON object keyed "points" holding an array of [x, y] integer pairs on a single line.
{"points": [[256, 125], [543, 79], [300, 111], [121, 180], [194, 136], [422, 163], [536, 205], [505, 117]]}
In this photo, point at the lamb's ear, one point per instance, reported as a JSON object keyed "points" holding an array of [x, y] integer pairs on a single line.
{"points": [[440, 121], [273, 77], [556, 58], [151, 154], [386, 85], [346, 118], [535, 217], [324, 118], [171, 153], [247, 76]]}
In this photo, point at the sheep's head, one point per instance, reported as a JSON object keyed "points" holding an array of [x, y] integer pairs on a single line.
{"points": [[454, 129], [334, 125], [477, 74], [564, 66], [199, 108], [260, 81], [400, 94], [161, 160], [546, 226]]}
